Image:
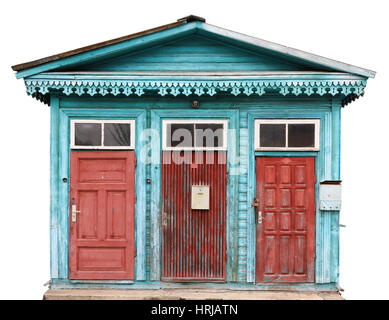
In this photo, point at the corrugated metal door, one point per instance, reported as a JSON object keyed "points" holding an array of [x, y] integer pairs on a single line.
{"points": [[286, 234], [102, 189], [193, 241]]}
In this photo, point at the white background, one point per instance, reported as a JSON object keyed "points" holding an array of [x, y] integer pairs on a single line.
{"points": [[350, 31]]}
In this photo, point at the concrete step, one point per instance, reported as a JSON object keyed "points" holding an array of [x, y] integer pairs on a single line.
{"points": [[185, 294]]}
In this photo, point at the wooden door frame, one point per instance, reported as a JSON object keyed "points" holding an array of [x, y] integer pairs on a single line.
{"points": [[60, 173], [232, 186], [327, 168]]}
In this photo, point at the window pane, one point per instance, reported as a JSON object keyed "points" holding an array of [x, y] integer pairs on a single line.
{"points": [[87, 134], [209, 135], [117, 134], [179, 135], [301, 135], [272, 135]]}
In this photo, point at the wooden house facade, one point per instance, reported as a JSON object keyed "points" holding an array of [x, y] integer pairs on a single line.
{"points": [[189, 155]]}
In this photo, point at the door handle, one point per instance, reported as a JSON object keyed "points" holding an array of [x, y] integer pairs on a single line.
{"points": [[259, 217], [164, 219], [74, 213], [255, 204]]}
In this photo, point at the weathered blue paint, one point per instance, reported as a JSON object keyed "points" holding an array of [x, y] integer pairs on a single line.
{"points": [[162, 37], [233, 77], [232, 191], [242, 245], [193, 53], [255, 83], [155, 285], [324, 160], [54, 184], [60, 260]]}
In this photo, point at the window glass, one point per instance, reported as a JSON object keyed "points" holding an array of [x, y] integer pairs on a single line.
{"points": [[272, 135], [87, 134], [301, 135], [209, 135], [117, 134], [180, 135]]}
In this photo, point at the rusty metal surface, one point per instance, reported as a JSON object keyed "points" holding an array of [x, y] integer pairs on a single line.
{"points": [[193, 241], [35, 63]]}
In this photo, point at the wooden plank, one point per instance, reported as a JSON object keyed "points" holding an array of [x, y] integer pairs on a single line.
{"points": [[54, 184], [200, 75], [155, 197], [232, 198], [335, 170], [64, 172], [140, 205], [186, 294]]}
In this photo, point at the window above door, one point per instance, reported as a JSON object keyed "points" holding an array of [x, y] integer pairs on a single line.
{"points": [[102, 134], [198, 135], [287, 134]]}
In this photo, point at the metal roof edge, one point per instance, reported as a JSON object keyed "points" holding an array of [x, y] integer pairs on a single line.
{"points": [[300, 54], [34, 63]]}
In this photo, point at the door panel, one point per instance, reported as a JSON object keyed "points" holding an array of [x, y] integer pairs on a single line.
{"points": [[286, 236], [193, 241], [102, 186]]}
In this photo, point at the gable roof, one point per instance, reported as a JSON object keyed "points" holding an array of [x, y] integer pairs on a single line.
{"points": [[187, 25]]}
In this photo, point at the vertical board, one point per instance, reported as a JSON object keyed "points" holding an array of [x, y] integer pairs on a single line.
{"points": [[102, 241], [193, 241], [286, 219], [54, 186]]}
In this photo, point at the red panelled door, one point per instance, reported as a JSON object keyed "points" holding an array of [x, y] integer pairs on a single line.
{"points": [[286, 235], [102, 232], [193, 241]]}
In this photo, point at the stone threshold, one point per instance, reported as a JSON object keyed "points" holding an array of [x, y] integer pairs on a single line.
{"points": [[186, 294]]}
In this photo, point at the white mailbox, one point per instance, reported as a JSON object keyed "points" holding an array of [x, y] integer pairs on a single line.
{"points": [[330, 195], [200, 197]]}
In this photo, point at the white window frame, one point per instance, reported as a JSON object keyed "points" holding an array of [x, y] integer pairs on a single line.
{"points": [[102, 122], [316, 122], [193, 121]]}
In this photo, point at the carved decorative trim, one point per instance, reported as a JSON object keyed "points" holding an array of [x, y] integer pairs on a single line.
{"points": [[199, 88]]}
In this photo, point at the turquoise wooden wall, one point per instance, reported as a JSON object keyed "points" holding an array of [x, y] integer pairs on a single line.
{"points": [[241, 111], [194, 53], [187, 51]]}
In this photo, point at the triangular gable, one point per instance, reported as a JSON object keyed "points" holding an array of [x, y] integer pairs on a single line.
{"points": [[194, 53], [284, 56]]}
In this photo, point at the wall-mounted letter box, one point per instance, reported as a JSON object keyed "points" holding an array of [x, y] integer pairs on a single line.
{"points": [[200, 197], [330, 195]]}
